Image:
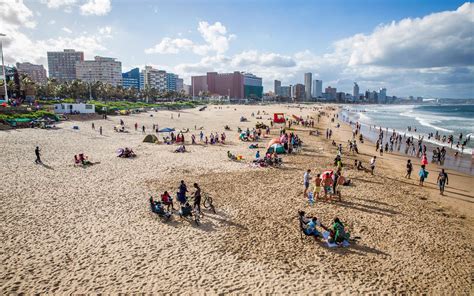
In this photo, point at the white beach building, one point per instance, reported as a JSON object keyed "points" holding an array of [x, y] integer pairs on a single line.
{"points": [[67, 108]]}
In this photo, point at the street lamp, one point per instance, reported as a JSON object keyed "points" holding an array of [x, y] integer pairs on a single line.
{"points": [[90, 85], [3, 67]]}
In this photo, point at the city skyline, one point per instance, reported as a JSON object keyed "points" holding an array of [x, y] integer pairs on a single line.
{"points": [[431, 63]]}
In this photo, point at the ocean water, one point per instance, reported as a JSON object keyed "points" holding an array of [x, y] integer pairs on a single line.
{"points": [[444, 119]]}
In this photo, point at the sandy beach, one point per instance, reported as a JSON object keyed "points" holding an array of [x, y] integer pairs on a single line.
{"points": [[67, 229]]}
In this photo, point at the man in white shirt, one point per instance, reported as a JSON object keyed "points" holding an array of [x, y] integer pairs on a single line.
{"points": [[306, 179], [372, 164]]}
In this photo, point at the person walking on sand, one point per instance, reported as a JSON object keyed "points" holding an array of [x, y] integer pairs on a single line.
{"points": [[136, 126], [37, 153], [372, 164], [143, 129], [93, 126], [100, 130], [423, 174], [442, 181], [409, 169], [306, 179]]}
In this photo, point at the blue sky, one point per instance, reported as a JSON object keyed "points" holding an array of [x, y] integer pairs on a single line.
{"points": [[421, 48]]}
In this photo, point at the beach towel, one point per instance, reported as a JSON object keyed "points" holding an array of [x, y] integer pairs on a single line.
{"points": [[333, 245]]}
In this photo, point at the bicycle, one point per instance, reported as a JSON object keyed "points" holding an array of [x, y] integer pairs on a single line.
{"points": [[208, 203]]}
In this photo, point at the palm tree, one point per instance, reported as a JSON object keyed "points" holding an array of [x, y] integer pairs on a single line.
{"points": [[27, 86]]}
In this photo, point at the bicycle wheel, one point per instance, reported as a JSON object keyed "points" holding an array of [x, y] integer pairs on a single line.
{"points": [[208, 202]]}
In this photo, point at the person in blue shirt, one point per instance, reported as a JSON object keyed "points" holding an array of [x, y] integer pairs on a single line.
{"points": [[257, 155]]}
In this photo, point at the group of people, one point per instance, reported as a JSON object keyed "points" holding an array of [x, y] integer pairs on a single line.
{"points": [[185, 207], [126, 153], [337, 233], [328, 182]]}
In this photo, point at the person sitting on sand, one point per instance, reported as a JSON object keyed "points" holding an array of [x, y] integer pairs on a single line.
{"points": [[308, 225], [83, 159], [180, 149], [337, 234], [167, 200], [186, 210], [359, 166]]}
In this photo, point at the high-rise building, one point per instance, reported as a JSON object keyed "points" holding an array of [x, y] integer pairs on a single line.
{"points": [[235, 85], [62, 64], [277, 88], [179, 84], [355, 91], [285, 92], [317, 88], [382, 96], [331, 92], [152, 78], [253, 88], [187, 89], [308, 79], [37, 73], [105, 70], [171, 81], [131, 79], [298, 92]]}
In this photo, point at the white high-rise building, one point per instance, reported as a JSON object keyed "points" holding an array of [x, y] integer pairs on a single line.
{"points": [[105, 70], [307, 85], [317, 88], [355, 91], [153, 78]]}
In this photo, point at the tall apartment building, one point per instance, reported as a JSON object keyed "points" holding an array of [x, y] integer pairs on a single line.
{"points": [[298, 92], [131, 79], [171, 80], [308, 79], [153, 78], [382, 96], [179, 84], [105, 70], [235, 85], [37, 73], [355, 91], [331, 92], [317, 88], [62, 64], [277, 88]]}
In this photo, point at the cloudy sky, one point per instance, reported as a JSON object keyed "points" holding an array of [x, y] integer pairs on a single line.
{"points": [[420, 48]]}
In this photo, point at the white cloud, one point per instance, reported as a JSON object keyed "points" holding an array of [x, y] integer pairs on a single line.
{"points": [[436, 40], [52, 22], [19, 47], [215, 36], [96, 7], [106, 31], [168, 45], [252, 57], [58, 3], [67, 30], [15, 13]]}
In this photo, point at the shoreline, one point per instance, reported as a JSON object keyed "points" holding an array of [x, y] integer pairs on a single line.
{"points": [[463, 163]]}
